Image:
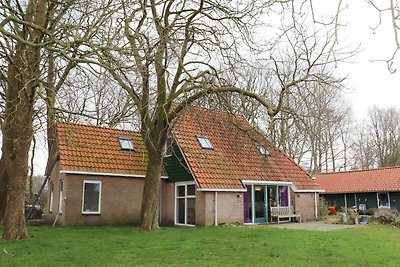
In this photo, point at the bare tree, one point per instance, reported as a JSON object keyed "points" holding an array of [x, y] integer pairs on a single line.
{"points": [[378, 144], [169, 54]]}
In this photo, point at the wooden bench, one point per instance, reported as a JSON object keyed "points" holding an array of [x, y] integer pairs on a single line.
{"points": [[284, 212]]}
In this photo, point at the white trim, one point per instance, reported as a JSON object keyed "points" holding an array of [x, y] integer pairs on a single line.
{"points": [[309, 191], [220, 190], [83, 196], [107, 174], [266, 182], [345, 200]]}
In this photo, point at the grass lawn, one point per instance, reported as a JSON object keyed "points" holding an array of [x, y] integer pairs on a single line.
{"points": [[373, 245]]}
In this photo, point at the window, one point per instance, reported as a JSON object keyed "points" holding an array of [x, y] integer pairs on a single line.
{"points": [[126, 143], [204, 142], [61, 196], [383, 200], [51, 197], [263, 151], [91, 197], [185, 204], [168, 146]]}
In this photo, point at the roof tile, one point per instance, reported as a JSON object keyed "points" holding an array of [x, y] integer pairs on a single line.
{"points": [[372, 180], [97, 149], [235, 156]]}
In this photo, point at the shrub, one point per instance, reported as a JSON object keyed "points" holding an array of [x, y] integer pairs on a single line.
{"points": [[386, 216]]}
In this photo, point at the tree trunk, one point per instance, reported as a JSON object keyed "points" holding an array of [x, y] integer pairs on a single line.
{"points": [[3, 188], [17, 129], [151, 192]]}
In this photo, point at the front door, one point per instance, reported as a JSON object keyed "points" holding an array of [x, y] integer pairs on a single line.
{"points": [[259, 204]]}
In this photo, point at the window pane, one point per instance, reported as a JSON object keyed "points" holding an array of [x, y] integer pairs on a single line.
{"points": [[191, 211], [126, 143], [204, 142], [191, 190], [181, 211], [91, 197], [181, 191]]}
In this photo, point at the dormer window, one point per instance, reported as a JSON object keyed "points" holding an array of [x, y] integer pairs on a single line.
{"points": [[263, 151], [204, 142], [126, 143]]}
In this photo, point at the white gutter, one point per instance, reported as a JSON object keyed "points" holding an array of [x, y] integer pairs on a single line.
{"points": [[107, 174], [266, 182], [220, 190], [310, 191]]}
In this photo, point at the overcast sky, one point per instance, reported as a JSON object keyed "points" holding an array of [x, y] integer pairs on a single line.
{"points": [[369, 78], [371, 83]]}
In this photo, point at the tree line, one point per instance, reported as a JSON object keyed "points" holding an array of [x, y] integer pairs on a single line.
{"points": [[144, 61]]}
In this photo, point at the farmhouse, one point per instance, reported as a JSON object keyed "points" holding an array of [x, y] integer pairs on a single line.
{"points": [[218, 169], [374, 188]]}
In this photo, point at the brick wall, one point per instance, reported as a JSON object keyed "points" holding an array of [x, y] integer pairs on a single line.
{"points": [[304, 203], [121, 200]]}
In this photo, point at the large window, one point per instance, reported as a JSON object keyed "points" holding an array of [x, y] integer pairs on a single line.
{"points": [[185, 196], [91, 197]]}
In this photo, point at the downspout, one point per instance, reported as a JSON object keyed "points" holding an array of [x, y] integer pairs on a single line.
{"points": [[216, 208], [316, 205], [345, 201]]}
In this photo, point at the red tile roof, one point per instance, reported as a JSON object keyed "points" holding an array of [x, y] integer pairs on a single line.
{"points": [[373, 180], [97, 149], [235, 156]]}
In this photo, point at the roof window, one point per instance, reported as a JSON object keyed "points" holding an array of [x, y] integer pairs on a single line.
{"points": [[263, 151], [126, 143], [204, 142]]}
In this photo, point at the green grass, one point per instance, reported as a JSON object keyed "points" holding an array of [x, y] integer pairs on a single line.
{"points": [[373, 245]]}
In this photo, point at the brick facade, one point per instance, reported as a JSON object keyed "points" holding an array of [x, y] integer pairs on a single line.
{"points": [[121, 200], [304, 203]]}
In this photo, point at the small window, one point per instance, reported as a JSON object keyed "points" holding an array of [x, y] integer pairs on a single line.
{"points": [[51, 197], [204, 142], [263, 151], [60, 203], [91, 197], [168, 146], [126, 143]]}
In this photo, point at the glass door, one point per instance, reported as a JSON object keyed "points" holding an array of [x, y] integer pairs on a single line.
{"points": [[259, 204]]}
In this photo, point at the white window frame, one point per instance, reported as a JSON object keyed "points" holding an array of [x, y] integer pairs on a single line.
{"points": [[183, 197], [205, 143], [126, 143], [83, 196], [60, 203], [51, 196]]}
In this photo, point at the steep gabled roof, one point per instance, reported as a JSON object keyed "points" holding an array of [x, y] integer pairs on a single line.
{"points": [[373, 180], [97, 149], [235, 156]]}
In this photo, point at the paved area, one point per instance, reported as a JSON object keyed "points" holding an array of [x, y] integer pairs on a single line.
{"points": [[314, 225]]}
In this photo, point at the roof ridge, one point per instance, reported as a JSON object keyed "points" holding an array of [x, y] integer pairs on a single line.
{"points": [[94, 126], [360, 170]]}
